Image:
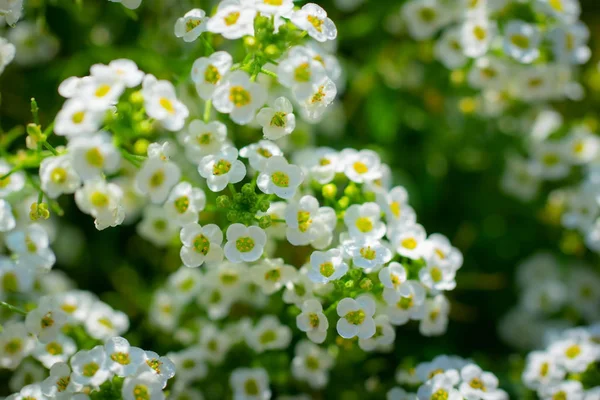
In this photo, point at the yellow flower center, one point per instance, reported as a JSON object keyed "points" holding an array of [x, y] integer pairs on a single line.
{"points": [[278, 119], [550, 159], [58, 175], [360, 167], [204, 139], [315, 22], [201, 244], [364, 224], [267, 337], [10, 283], [141, 392], [121, 358], [312, 363], [560, 395], [273, 275], [409, 243], [228, 278], [244, 244], [251, 387], [436, 274], [212, 75], [264, 152], [182, 204], [54, 348], [427, 14], [273, 2], [355, 317], [94, 157], [102, 90], [157, 179], [319, 96], [368, 253], [105, 322], [47, 321], [521, 41], [304, 221], [313, 320], [406, 303], [90, 369], [302, 73], [13, 346], [191, 24], [239, 96], [477, 383], [155, 364], [440, 394], [573, 351], [544, 369], [78, 117], [232, 18], [326, 269], [62, 383], [167, 105], [395, 209], [280, 179], [556, 5], [221, 167], [479, 32]]}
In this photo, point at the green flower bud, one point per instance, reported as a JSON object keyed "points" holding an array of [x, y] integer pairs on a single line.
{"points": [[329, 191], [250, 41], [233, 216], [272, 51], [238, 198], [136, 98], [352, 191], [366, 284], [265, 222], [344, 202], [223, 201], [264, 205], [247, 189], [34, 130], [140, 146]]}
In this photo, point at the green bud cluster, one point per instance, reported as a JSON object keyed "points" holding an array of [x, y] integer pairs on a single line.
{"points": [[242, 207]]}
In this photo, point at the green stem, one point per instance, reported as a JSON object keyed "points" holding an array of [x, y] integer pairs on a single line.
{"points": [[9, 173], [269, 73], [232, 189], [132, 158], [13, 308], [207, 108], [35, 111], [48, 146], [207, 45]]}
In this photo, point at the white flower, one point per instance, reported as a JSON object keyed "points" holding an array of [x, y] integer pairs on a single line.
{"points": [[207, 72], [7, 219], [55, 351], [184, 284], [565, 10], [162, 367], [269, 334], [424, 17], [313, 19], [439, 247], [156, 226], [582, 146], [409, 241], [356, 317], [569, 390], [89, 367], [58, 176], [93, 156], [395, 205], [320, 97], [438, 275], [300, 71], [203, 139], [250, 384], [550, 161], [244, 243], [31, 246], [574, 354], [59, 381], [271, 275], [383, 338], [307, 223], [239, 97], [449, 49], [101, 90], [488, 72], [363, 221], [13, 182], [76, 303], [191, 25], [312, 321], [440, 386], [366, 253], [29, 392], [222, 169], [185, 203], [232, 20], [321, 163], [522, 41], [361, 166], [259, 153], [311, 364], [123, 359], [327, 266], [144, 384], [15, 278], [102, 201], [271, 7], [45, 321], [7, 53], [103, 322], [280, 178], [156, 178], [76, 118], [570, 43], [477, 34], [15, 344], [214, 343], [123, 70], [393, 275], [407, 302], [201, 244], [12, 10], [161, 103], [435, 320], [542, 369], [277, 121]]}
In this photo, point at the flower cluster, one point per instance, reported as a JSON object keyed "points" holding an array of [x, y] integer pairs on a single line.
{"points": [[568, 367], [504, 48], [446, 377], [75, 336], [552, 295]]}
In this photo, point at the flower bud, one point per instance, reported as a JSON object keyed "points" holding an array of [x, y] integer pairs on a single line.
{"points": [[247, 189], [35, 131], [366, 284], [265, 222], [264, 205], [223, 201], [141, 147], [329, 191], [136, 98]]}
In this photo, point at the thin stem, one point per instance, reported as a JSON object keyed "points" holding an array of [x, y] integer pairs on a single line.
{"points": [[9, 173], [13, 308], [269, 73], [48, 146], [34, 111], [208, 45], [207, 108], [132, 158], [232, 189]]}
